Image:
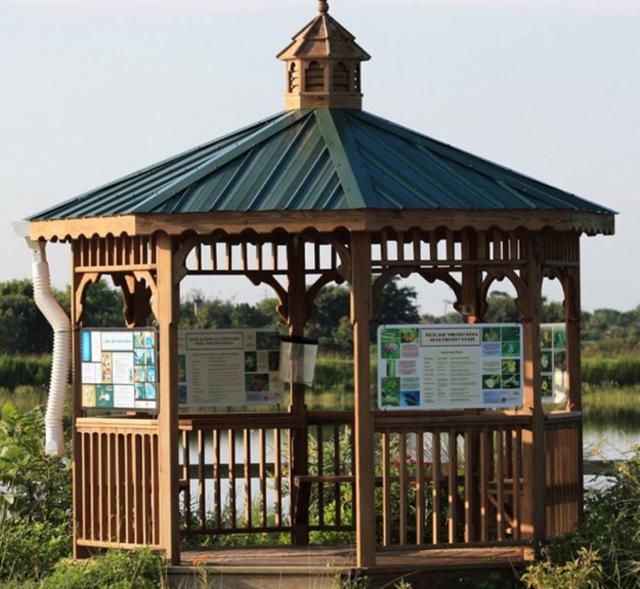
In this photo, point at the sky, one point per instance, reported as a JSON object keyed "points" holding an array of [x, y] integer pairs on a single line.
{"points": [[92, 90]]}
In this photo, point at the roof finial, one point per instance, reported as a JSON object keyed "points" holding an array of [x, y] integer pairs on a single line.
{"points": [[323, 6]]}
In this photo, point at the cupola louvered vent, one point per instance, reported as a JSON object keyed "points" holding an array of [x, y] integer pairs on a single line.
{"points": [[314, 78], [340, 78]]}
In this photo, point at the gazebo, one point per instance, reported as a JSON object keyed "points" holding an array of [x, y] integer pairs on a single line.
{"points": [[323, 193]]}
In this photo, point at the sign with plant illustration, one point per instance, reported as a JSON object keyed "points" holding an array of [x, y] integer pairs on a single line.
{"points": [[449, 366], [229, 367], [553, 362], [119, 369]]}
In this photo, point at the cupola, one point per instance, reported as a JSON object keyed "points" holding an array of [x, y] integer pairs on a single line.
{"points": [[323, 65]]}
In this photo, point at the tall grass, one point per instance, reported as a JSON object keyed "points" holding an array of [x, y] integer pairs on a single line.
{"points": [[623, 371], [17, 371], [333, 385], [24, 380], [24, 398]]}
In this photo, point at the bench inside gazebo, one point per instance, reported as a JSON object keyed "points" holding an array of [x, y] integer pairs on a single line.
{"points": [[327, 193]]}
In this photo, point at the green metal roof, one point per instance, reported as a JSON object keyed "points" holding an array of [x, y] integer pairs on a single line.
{"points": [[320, 160]]}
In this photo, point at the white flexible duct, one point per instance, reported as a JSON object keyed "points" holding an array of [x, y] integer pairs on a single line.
{"points": [[57, 318]]}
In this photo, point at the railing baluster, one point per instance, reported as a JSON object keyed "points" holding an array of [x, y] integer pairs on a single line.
{"points": [[403, 482], [155, 486], [129, 489], [320, 458], [517, 475], [469, 490], [101, 487], [263, 475], [111, 479], [437, 485], [202, 499], [232, 477], [420, 484], [500, 483], [146, 490], [453, 486], [217, 479], [338, 468], [93, 466], [386, 488], [138, 481], [484, 485], [186, 491], [85, 491], [277, 475], [247, 478], [120, 468], [550, 474]]}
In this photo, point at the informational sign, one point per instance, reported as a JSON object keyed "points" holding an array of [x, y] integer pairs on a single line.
{"points": [[553, 362], [229, 367], [119, 369], [449, 366]]}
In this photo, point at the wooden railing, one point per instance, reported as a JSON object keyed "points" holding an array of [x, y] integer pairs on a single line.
{"points": [[323, 495], [563, 444], [439, 481], [450, 480], [454, 480], [116, 493], [235, 473]]}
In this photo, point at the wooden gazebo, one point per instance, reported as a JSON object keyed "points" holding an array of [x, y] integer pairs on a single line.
{"points": [[325, 192]]}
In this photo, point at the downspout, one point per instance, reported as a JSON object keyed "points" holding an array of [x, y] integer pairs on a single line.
{"points": [[61, 357]]}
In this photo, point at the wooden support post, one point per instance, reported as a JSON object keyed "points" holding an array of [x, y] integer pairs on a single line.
{"points": [[364, 441], [299, 442], [572, 315], [470, 301], [76, 406], [574, 381], [534, 467], [168, 305]]}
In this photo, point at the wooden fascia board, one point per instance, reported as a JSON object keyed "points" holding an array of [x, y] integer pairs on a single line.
{"points": [[64, 229], [582, 222], [233, 222], [375, 220], [259, 221]]}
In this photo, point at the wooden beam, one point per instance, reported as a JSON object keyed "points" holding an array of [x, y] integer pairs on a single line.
{"points": [[168, 305], [364, 441]]}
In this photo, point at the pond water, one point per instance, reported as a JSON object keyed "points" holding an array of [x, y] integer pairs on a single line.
{"points": [[612, 437], [609, 444]]}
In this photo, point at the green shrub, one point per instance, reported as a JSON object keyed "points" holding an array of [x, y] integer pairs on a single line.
{"points": [[133, 569], [30, 551], [583, 572], [605, 550], [35, 502]]}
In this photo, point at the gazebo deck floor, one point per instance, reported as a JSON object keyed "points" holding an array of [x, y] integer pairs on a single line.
{"points": [[318, 566]]}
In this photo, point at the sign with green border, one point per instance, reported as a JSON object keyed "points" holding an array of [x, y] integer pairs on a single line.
{"points": [[449, 366]]}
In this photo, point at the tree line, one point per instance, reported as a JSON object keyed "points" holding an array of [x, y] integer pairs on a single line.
{"points": [[24, 331]]}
